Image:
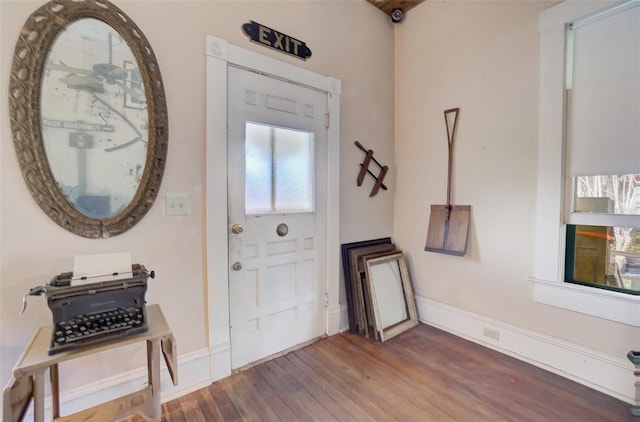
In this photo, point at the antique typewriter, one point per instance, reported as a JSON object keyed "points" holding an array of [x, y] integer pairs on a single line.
{"points": [[89, 313]]}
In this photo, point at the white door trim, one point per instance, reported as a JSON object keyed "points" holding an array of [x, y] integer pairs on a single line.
{"points": [[219, 54]]}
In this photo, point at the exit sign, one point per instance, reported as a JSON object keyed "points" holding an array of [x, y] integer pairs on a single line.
{"points": [[271, 38]]}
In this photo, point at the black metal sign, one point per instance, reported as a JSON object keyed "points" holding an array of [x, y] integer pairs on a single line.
{"points": [[274, 39]]}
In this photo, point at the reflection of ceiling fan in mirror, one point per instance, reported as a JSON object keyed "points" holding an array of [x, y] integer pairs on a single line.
{"points": [[93, 79]]}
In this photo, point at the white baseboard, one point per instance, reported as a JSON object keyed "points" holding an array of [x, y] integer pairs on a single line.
{"points": [[336, 315], [610, 375], [194, 373], [220, 361]]}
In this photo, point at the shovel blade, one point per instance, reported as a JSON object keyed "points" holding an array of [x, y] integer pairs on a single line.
{"points": [[448, 230]]}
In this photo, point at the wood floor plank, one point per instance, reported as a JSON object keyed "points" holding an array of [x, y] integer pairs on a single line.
{"points": [[334, 376], [247, 400], [388, 393], [310, 378], [558, 391], [426, 403], [301, 403], [500, 381], [208, 405], [174, 409], [421, 375], [454, 403], [223, 403], [317, 392], [194, 414], [272, 397], [469, 375]]}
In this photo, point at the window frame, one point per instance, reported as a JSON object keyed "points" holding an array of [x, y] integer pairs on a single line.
{"points": [[553, 194]]}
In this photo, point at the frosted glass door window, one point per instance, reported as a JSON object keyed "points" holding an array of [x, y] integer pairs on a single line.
{"points": [[278, 169]]}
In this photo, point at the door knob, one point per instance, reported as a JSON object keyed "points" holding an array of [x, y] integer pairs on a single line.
{"points": [[282, 230], [236, 266], [236, 229]]}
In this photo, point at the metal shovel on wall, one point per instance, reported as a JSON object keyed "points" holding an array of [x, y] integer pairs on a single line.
{"points": [[449, 224]]}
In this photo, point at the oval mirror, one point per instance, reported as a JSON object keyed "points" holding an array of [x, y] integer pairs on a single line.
{"points": [[89, 116]]}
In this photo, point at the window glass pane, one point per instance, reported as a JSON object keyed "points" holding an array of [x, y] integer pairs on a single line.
{"points": [[258, 170], [607, 257], [607, 194], [294, 170], [279, 169]]}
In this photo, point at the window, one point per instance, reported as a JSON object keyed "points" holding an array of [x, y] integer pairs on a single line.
{"points": [[603, 149], [605, 257], [555, 181], [278, 170]]}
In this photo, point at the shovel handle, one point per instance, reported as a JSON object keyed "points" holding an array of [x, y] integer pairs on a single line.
{"points": [[451, 134]]}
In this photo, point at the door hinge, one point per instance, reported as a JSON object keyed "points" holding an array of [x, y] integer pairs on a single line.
{"points": [[326, 120], [326, 299]]}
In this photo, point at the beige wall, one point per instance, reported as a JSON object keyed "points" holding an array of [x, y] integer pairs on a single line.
{"points": [[350, 40], [483, 58], [480, 56]]}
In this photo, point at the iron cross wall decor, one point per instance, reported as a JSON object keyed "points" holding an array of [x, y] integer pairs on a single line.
{"points": [[276, 40], [364, 169]]}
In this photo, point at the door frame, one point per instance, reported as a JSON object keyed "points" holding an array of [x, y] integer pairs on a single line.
{"points": [[219, 56]]}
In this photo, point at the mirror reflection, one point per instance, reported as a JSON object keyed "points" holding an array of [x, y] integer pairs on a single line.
{"points": [[88, 116], [94, 118]]}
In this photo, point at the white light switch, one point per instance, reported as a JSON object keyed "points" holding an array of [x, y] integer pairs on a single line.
{"points": [[177, 204]]}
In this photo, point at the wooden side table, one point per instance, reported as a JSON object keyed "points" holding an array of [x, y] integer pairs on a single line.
{"points": [[28, 376]]}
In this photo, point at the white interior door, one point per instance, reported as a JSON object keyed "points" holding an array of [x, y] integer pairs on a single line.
{"points": [[277, 152]]}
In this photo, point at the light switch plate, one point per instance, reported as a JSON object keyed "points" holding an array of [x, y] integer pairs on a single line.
{"points": [[177, 204]]}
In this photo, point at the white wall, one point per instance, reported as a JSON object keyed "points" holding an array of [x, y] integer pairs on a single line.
{"points": [[350, 40], [483, 58]]}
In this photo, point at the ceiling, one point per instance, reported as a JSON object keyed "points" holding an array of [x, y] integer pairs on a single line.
{"points": [[387, 6]]}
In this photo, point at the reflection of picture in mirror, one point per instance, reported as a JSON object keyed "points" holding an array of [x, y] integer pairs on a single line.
{"points": [[134, 95], [96, 147], [391, 294]]}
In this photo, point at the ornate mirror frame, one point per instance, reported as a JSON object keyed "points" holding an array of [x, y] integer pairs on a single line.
{"points": [[36, 38]]}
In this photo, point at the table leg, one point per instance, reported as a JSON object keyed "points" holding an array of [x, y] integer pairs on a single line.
{"points": [[55, 391], [153, 369], [634, 357], [38, 397]]}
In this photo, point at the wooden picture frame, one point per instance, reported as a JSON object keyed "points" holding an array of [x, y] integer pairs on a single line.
{"points": [[391, 294], [346, 268], [362, 304]]}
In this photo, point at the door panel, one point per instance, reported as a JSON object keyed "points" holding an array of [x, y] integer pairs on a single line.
{"points": [[276, 292]]}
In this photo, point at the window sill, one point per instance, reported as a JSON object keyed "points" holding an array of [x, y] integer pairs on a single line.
{"points": [[614, 306]]}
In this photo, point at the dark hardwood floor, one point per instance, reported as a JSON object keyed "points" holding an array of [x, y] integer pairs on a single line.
{"points": [[424, 374]]}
